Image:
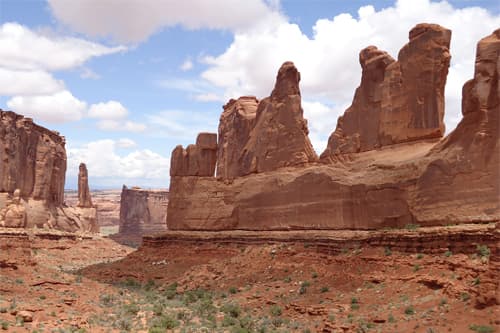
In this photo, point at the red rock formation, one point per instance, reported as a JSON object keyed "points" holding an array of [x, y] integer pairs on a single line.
{"points": [[421, 181], [462, 182], [279, 138], [235, 125], [84, 199], [33, 162], [196, 160], [397, 101], [32, 159], [142, 211]]}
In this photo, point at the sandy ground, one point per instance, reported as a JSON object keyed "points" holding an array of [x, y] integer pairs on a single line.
{"points": [[98, 285]]}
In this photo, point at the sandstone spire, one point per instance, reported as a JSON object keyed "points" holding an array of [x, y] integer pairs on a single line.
{"points": [[84, 199], [397, 101], [280, 135]]}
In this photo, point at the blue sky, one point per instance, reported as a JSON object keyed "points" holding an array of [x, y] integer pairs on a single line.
{"points": [[126, 81]]}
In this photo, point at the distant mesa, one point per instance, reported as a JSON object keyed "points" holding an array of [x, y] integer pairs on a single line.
{"points": [[142, 212], [386, 164]]}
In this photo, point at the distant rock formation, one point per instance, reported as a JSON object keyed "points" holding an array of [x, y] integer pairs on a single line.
{"points": [[196, 160], [420, 180], [142, 211], [32, 176], [397, 101], [84, 199]]}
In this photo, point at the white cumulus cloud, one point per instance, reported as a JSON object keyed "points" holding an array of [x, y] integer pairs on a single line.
{"points": [[28, 58], [135, 21], [103, 161], [108, 110], [328, 61], [22, 82], [118, 125], [56, 108], [25, 49]]}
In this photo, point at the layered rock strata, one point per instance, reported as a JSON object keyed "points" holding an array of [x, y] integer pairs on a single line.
{"points": [[143, 211], [32, 176], [416, 179], [397, 101]]}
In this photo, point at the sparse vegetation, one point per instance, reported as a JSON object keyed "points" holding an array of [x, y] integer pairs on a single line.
{"points": [[324, 289], [107, 300], [231, 309], [410, 310], [303, 287], [448, 253], [481, 328], [483, 251], [412, 226], [354, 303], [275, 311], [387, 251], [163, 322], [464, 296]]}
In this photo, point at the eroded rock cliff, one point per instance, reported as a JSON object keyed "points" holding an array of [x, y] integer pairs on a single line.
{"points": [[235, 125], [403, 174], [463, 180], [196, 160], [142, 211], [32, 159], [32, 176], [397, 101], [280, 135]]}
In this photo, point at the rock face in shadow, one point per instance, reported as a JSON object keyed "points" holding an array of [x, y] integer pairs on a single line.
{"points": [[397, 101], [142, 211], [84, 199], [412, 178], [463, 180], [32, 176], [196, 160]]}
